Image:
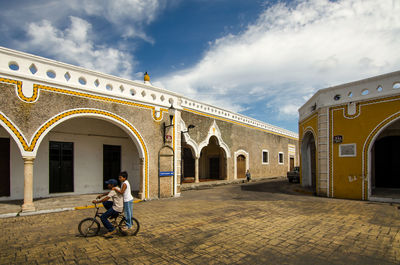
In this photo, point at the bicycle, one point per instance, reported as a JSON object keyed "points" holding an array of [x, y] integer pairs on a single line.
{"points": [[91, 226]]}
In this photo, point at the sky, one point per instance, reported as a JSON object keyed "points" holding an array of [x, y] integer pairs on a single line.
{"points": [[263, 59]]}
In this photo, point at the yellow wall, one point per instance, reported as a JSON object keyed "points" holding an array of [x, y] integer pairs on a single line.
{"points": [[359, 129]]}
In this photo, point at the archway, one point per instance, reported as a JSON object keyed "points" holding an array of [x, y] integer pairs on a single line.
{"points": [[112, 120], [385, 156], [79, 154], [11, 167], [188, 164], [213, 161], [308, 161]]}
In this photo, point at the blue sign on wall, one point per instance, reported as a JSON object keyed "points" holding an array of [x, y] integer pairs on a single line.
{"points": [[166, 173]]}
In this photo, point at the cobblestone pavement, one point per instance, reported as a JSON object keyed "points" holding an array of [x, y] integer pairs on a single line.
{"points": [[255, 223]]}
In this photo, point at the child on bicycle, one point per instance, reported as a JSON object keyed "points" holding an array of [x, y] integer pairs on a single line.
{"points": [[113, 207], [125, 190]]}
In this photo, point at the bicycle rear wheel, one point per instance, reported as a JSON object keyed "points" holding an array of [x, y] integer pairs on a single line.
{"points": [[134, 229], [89, 227]]}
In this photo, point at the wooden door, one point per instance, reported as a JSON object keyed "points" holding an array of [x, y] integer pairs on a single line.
{"points": [[241, 166], [61, 162], [291, 163], [111, 162], [4, 167]]}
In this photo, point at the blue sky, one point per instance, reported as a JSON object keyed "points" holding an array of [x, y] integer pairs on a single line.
{"points": [[260, 58]]}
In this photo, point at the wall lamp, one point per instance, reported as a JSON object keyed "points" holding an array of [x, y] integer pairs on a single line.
{"points": [[191, 126], [171, 112]]}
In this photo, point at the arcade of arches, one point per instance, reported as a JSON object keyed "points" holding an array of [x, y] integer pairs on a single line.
{"points": [[212, 164], [76, 156]]}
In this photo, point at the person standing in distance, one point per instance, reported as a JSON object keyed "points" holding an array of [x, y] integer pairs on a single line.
{"points": [[248, 175], [125, 190]]}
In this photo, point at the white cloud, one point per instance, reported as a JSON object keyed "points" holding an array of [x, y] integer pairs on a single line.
{"points": [[291, 51], [74, 45], [128, 16], [62, 30]]}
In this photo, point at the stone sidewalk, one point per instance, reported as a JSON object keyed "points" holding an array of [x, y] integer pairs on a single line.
{"points": [[52, 204], [255, 223]]}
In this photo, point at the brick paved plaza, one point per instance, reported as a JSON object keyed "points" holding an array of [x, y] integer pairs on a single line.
{"points": [[256, 223]]}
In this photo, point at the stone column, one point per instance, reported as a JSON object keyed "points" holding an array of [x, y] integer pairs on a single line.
{"points": [[142, 189], [28, 205], [196, 170]]}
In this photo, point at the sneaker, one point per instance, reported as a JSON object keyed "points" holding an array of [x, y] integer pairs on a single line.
{"points": [[109, 234]]}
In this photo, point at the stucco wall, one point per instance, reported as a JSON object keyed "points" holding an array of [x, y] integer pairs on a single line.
{"points": [[251, 140], [88, 136], [30, 116]]}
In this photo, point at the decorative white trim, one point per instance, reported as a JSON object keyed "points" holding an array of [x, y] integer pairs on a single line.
{"points": [[328, 156], [189, 141], [283, 158], [236, 154], [13, 136], [94, 115], [215, 131], [371, 144], [307, 130], [325, 97], [262, 157], [112, 86]]}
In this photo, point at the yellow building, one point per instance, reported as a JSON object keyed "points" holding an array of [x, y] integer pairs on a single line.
{"points": [[350, 140]]}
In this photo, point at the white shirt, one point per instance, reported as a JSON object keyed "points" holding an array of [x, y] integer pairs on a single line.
{"points": [[127, 193], [118, 205]]}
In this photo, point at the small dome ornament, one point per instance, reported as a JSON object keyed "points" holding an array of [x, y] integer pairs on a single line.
{"points": [[146, 78]]}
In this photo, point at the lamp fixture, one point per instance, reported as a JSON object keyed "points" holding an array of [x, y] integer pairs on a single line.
{"points": [[171, 112], [191, 126]]}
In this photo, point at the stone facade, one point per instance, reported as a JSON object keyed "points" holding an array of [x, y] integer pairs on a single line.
{"points": [[147, 126], [251, 141]]}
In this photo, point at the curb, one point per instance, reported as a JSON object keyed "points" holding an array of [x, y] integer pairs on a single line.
{"points": [[303, 191], [211, 184], [18, 214]]}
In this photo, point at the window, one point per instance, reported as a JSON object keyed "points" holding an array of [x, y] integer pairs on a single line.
{"points": [[265, 157], [280, 158]]}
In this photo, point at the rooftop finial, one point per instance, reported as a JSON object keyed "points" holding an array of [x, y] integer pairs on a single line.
{"points": [[146, 78]]}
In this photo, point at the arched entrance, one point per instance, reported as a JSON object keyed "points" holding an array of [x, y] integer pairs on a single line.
{"points": [[385, 157], [79, 154], [212, 161], [188, 164], [308, 161], [241, 166], [11, 164]]}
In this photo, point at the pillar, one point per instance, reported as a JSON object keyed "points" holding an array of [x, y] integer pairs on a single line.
{"points": [[142, 188], [28, 205], [196, 170]]}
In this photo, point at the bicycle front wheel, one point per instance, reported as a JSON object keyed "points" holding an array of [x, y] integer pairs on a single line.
{"points": [[134, 229], [89, 227]]}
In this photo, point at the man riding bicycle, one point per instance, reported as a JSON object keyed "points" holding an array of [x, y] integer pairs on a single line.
{"points": [[113, 207]]}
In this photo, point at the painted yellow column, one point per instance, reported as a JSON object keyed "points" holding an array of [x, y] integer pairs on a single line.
{"points": [[142, 194], [28, 205], [196, 170]]}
